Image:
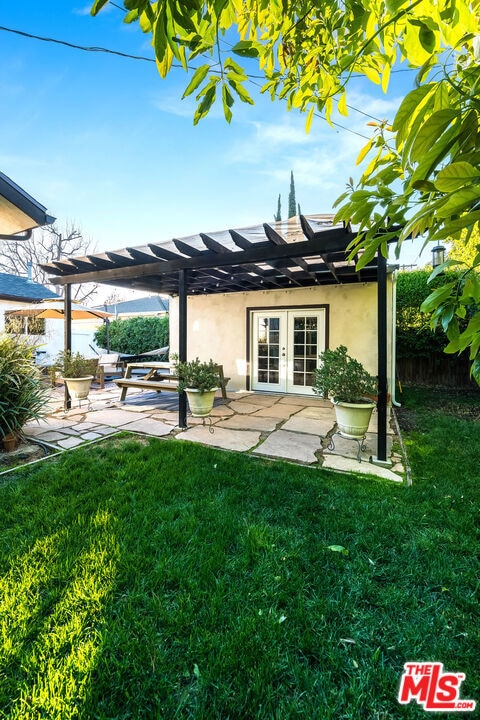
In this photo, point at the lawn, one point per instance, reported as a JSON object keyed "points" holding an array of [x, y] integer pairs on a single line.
{"points": [[146, 578]]}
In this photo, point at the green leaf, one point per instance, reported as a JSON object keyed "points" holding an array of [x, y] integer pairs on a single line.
{"points": [[198, 76], [455, 176], [431, 130], [206, 103], [436, 298], [427, 38], [458, 201], [308, 123], [409, 106], [228, 100], [338, 548], [240, 90], [246, 48], [97, 6]]}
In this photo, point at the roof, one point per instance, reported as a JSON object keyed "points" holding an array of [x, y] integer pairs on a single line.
{"points": [[19, 211], [14, 287], [300, 252], [151, 304]]}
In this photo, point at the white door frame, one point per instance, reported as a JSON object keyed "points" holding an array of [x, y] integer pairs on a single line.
{"points": [[284, 349]]}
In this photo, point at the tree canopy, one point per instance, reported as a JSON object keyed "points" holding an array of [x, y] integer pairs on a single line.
{"points": [[422, 175]]}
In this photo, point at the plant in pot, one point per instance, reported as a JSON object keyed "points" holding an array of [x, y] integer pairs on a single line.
{"points": [[350, 387], [200, 381], [77, 371], [23, 392]]}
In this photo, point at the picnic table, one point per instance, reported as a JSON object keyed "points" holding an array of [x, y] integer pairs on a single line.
{"points": [[157, 376]]}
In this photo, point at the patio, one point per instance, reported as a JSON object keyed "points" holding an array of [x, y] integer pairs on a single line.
{"points": [[292, 428]]}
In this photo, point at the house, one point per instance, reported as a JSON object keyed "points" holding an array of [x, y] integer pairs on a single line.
{"points": [[151, 306], [19, 211], [263, 301], [20, 293]]}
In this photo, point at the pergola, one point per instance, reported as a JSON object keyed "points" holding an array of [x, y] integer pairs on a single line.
{"points": [[300, 252], [19, 211]]}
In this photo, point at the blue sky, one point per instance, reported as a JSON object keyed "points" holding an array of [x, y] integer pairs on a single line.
{"points": [[104, 143]]}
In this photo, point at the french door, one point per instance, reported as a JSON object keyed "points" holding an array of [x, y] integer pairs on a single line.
{"points": [[285, 349]]}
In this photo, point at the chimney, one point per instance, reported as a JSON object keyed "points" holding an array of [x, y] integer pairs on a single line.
{"points": [[29, 271]]}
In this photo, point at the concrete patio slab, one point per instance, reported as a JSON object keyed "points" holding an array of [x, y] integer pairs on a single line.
{"points": [[114, 417], [319, 412], [304, 400], [249, 422], [349, 448], [290, 446], [149, 426], [70, 442], [279, 411], [241, 440], [311, 426], [244, 407], [52, 436], [343, 464], [258, 399]]}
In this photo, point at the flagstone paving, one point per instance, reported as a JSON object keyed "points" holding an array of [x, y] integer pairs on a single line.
{"points": [[293, 428]]}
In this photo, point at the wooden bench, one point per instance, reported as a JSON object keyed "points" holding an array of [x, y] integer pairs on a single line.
{"points": [[157, 378]]}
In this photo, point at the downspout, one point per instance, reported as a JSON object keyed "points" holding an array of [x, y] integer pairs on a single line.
{"points": [[182, 341], [394, 338], [67, 327]]}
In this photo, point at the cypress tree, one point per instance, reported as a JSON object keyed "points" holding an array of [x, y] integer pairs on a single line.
{"points": [[278, 215], [292, 205]]}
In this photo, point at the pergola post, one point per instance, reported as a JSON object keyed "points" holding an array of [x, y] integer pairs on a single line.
{"points": [[382, 359], [67, 329], [182, 340]]}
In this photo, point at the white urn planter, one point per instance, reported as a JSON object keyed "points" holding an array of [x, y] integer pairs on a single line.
{"points": [[353, 419], [200, 401], [79, 387]]}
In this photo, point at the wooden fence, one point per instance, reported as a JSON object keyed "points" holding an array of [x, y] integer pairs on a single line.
{"points": [[443, 370]]}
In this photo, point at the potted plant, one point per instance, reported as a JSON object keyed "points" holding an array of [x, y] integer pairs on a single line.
{"points": [[23, 392], [350, 387], [200, 380], [77, 371]]}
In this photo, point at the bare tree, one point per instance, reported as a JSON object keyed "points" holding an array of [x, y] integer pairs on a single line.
{"points": [[46, 245]]}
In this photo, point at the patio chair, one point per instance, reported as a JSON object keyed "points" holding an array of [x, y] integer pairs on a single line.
{"points": [[108, 366]]}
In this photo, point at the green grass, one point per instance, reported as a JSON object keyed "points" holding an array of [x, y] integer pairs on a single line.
{"points": [[158, 579]]}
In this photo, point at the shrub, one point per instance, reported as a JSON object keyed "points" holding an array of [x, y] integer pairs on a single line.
{"points": [[134, 335], [23, 394]]}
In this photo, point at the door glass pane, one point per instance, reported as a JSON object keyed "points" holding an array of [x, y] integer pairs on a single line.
{"points": [[268, 350], [305, 350]]}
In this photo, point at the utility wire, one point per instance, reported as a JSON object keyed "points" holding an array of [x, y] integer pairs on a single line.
{"points": [[78, 47], [129, 56]]}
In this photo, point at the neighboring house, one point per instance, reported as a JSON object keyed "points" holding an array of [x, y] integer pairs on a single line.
{"points": [[18, 293], [19, 211], [152, 306]]}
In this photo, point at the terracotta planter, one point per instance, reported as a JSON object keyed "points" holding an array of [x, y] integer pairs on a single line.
{"points": [[201, 403], [79, 387], [10, 442], [353, 418]]}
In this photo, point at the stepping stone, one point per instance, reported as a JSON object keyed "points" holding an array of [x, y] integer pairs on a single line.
{"points": [[290, 446], [149, 426], [250, 422], [241, 440], [311, 426]]}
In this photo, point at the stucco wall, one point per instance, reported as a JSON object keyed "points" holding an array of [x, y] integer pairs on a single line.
{"points": [[217, 324]]}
